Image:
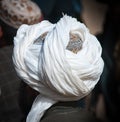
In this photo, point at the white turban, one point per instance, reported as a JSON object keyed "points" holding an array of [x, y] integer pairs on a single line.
{"points": [[42, 59]]}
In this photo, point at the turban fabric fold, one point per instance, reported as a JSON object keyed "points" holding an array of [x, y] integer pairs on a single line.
{"points": [[44, 60]]}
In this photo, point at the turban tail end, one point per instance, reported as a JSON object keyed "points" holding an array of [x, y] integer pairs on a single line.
{"points": [[40, 105]]}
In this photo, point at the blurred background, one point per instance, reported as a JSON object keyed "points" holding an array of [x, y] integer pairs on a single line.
{"points": [[102, 17]]}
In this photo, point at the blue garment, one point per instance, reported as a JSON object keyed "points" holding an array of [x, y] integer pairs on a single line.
{"points": [[52, 9]]}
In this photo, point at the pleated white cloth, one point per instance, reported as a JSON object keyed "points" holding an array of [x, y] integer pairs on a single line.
{"points": [[49, 67]]}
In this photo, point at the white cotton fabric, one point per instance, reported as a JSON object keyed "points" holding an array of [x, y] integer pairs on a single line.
{"points": [[48, 67]]}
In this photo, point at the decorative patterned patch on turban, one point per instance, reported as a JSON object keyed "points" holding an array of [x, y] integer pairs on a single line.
{"points": [[61, 61]]}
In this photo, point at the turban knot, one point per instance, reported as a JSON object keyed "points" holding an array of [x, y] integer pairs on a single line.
{"points": [[62, 61]]}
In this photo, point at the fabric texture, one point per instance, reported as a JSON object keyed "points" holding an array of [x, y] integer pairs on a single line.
{"points": [[68, 114], [42, 60], [9, 88]]}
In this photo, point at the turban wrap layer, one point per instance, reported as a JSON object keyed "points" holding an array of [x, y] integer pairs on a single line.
{"points": [[58, 74]]}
